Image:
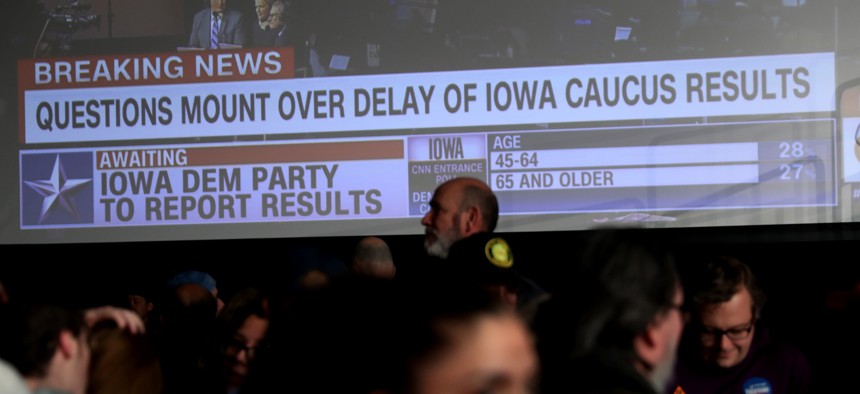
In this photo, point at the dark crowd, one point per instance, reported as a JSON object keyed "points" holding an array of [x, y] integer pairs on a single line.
{"points": [[631, 318]]}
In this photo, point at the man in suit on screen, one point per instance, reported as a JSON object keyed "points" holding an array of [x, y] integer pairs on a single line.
{"points": [[216, 25]]}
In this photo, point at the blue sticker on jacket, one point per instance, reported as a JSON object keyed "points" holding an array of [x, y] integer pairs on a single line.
{"points": [[757, 386]]}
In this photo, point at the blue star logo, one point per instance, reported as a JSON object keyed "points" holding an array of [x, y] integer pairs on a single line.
{"points": [[58, 193]]}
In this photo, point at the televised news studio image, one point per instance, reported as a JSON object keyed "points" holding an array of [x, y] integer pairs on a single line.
{"points": [[645, 196]]}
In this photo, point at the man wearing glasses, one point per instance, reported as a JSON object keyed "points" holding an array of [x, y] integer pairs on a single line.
{"points": [[726, 349]]}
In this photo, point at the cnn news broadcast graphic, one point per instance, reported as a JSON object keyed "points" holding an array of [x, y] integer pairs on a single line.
{"points": [[217, 119], [212, 184]]}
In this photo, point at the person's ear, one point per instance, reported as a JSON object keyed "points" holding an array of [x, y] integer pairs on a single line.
{"points": [[67, 344], [649, 345], [509, 298], [149, 306], [472, 218]]}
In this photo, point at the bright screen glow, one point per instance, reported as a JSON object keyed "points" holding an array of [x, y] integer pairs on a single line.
{"points": [[341, 117]]}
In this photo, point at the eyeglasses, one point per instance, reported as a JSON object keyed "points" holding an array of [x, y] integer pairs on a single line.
{"points": [[235, 346], [713, 334]]}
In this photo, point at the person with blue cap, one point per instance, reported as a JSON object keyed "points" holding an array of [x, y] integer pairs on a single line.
{"points": [[201, 279]]}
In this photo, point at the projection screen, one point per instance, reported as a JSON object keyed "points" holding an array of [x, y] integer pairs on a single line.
{"points": [[341, 117]]}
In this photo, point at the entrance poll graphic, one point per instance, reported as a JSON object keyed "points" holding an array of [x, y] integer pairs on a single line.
{"points": [[745, 166]]}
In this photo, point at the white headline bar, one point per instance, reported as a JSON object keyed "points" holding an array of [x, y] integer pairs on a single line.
{"points": [[582, 93]]}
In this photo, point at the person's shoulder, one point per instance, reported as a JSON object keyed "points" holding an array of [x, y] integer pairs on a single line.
{"points": [[765, 344], [202, 13], [201, 17], [232, 14], [786, 353], [48, 390], [786, 362], [10, 381]]}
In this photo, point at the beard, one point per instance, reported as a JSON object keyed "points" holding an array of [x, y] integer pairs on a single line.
{"points": [[442, 244], [663, 372]]}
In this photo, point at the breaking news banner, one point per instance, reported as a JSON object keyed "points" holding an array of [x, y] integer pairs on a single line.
{"points": [[138, 90], [252, 92], [212, 183]]}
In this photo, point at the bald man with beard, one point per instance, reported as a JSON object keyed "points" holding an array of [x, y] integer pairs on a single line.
{"points": [[460, 208], [458, 231]]}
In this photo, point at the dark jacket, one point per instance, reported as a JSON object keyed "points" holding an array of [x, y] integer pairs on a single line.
{"points": [[231, 31], [777, 367], [603, 372]]}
